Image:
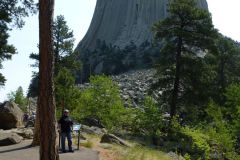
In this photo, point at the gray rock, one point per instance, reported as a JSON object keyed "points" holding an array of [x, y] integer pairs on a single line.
{"points": [[92, 130], [89, 121], [134, 86], [11, 116], [9, 139], [110, 138], [120, 22], [26, 133], [174, 156]]}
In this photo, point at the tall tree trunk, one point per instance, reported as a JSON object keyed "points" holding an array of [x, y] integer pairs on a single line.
{"points": [[46, 100], [173, 105]]}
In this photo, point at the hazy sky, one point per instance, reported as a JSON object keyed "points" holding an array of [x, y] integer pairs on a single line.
{"points": [[78, 14]]}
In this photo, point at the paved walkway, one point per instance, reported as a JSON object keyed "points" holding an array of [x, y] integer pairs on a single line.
{"points": [[22, 151]]}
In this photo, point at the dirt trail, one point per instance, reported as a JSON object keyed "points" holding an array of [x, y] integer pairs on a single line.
{"points": [[22, 151]]}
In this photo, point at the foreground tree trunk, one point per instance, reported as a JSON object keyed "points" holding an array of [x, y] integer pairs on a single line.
{"points": [[46, 100]]}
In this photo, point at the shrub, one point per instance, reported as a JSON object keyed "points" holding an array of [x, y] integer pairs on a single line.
{"points": [[101, 101], [149, 120]]}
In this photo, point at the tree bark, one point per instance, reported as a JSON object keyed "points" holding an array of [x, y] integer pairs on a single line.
{"points": [[173, 106], [46, 100]]}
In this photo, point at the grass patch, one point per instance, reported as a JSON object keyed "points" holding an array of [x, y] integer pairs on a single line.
{"points": [[142, 153], [118, 152], [87, 144]]}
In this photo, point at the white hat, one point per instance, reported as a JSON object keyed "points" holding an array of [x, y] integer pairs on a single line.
{"points": [[66, 110]]}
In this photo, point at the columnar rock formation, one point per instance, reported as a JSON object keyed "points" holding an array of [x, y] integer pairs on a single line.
{"points": [[119, 38], [121, 21]]}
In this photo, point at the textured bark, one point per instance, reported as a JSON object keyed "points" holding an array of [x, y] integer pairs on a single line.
{"points": [[121, 21], [46, 101]]}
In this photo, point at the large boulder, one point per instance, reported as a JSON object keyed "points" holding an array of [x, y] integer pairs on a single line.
{"points": [[89, 121], [9, 139], [93, 130], [110, 138], [11, 116]]}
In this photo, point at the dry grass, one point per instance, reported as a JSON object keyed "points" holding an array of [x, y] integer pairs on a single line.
{"points": [[140, 153], [87, 144], [116, 152]]}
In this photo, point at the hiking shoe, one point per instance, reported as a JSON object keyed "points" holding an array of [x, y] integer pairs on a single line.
{"points": [[72, 151]]}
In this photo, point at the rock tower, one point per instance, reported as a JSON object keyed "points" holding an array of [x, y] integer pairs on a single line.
{"points": [[119, 38], [120, 22]]}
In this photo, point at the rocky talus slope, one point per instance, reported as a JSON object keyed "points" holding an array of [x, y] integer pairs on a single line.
{"points": [[134, 86]]}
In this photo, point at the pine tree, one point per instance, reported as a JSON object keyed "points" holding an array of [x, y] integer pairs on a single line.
{"points": [[19, 98], [46, 100], [225, 63], [11, 14], [228, 62], [67, 94], [187, 34], [65, 57], [63, 40]]}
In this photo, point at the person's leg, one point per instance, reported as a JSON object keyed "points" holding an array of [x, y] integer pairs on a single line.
{"points": [[69, 138], [63, 137]]}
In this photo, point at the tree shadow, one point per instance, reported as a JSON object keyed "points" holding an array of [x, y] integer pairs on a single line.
{"points": [[16, 149]]}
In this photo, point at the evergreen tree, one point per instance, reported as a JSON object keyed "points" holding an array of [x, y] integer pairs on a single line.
{"points": [[67, 94], [188, 33], [46, 99], [19, 98], [65, 57], [11, 14], [227, 62], [63, 41]]}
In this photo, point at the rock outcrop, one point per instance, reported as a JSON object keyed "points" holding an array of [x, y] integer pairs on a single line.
{"points": [[11, 116], [9, 139], [121, 21], [120, 38], [110, 138]]}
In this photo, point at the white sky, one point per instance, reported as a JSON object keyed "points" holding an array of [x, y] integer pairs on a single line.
{"points": [[78, 14]]}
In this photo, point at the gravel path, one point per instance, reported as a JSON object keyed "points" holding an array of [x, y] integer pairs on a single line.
{"points": [[22, 151]]}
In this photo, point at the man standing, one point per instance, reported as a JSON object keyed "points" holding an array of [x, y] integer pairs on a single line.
{"points": [[66, 125]]}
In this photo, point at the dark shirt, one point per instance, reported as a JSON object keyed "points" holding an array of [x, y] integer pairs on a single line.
{"points": [[66, 123]]}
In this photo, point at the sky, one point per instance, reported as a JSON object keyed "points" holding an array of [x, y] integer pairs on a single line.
{"points": [[78, 14]]}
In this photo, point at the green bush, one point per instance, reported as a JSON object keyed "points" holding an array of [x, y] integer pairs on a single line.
{"points": [[148, 121], [196, 143], [102, 101], [188, 141], [19, 98]]}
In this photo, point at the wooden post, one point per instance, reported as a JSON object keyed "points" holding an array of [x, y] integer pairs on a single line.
{"points": [[78, 139]]}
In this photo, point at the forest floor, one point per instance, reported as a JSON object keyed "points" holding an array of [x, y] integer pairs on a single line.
{"points": [[23, 151]]}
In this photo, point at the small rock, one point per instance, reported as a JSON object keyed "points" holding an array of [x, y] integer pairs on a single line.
{"points": [[174, 156]]}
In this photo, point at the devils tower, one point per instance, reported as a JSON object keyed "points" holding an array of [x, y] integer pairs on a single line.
{"points": [[121, 24]]}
